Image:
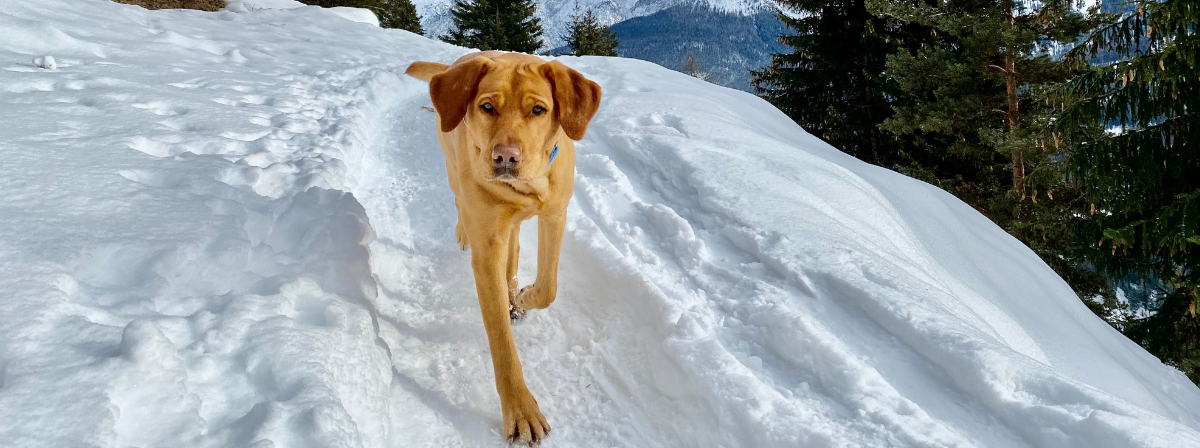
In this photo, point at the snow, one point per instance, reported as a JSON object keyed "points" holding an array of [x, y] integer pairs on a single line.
{"points": [[234, 229], [46, 62], [359, 15], [265, 4]]}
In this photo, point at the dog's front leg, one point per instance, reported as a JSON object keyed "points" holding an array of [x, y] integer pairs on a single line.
{"points": [[514, 255], [543, 291], [460, 232], [523, 421]]}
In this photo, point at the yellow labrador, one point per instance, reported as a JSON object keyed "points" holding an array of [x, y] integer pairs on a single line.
{"points": [[507, 124]]}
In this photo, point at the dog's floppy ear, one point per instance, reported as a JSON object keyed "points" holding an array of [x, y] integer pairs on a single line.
{"points": [[425, 70], [453, 90], [576, 98]]}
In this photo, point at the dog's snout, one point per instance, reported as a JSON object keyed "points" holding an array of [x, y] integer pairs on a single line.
{"points": [[506, 156]]}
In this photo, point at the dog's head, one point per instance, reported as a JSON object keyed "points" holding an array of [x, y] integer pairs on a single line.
{"points": [[512, 108]]}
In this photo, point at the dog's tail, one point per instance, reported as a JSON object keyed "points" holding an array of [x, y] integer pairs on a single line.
{"points": [[425, 70]]}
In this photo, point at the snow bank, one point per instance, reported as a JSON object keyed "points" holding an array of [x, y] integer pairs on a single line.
{"points": [[255, 5], [233, 229], [360, 15]]}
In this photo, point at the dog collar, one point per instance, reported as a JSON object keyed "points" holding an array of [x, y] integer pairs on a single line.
{"points": [[553, 154]]}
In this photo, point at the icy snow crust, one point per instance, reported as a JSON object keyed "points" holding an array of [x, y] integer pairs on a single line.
{"points": [[234, 229]]}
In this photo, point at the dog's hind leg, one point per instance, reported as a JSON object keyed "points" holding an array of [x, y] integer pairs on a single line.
{"points": [[543, 291]]}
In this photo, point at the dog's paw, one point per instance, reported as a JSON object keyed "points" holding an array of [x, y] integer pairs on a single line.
{"points": [[532, 298], [523, 421], [520, 298], [516, 314], [461, 235]]}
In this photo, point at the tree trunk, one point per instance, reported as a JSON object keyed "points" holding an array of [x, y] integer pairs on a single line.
{"points": [[1010, 78], [868, 101]]}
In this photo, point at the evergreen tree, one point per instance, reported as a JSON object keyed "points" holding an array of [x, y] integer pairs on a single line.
{"points": [[507, 25], [586, 36], [1142, 180], [833, 82], [977, 102], [400, 14], [979, 87]]}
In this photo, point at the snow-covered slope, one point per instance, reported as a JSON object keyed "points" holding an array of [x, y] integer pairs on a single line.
{"points": [[556, 14], [233, 229]]}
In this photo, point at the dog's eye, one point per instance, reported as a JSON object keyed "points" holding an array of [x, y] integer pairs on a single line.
{"points": [[538, 110], [487, 107]]}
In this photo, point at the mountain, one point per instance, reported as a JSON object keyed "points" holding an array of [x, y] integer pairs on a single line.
{"points": [[234, 229], [556, 14], [728, 44], [731, 37]]}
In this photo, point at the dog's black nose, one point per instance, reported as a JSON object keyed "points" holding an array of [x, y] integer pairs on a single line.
{"points": [[505, 157]]}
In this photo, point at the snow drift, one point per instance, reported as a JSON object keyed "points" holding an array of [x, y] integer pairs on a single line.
{"points": [[234, 229]]}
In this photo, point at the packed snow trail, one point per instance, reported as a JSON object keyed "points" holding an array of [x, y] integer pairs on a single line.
{"points": [[234, 229]]}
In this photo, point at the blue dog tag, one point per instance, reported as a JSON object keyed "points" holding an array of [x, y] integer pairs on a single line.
{"points": [[553, 154]]}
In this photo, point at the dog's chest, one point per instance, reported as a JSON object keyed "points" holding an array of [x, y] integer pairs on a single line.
{"points": [[535, 190]]}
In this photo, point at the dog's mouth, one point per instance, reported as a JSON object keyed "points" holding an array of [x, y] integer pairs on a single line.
{"points": [[506, 174]]}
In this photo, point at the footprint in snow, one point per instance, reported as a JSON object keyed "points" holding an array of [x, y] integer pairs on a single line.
{"points": [[664, 120], [194, 84], [261, 120], [152, 147], [30, 85], [246, 136], [296, 123], [180, 125], [151, 178], [259, 100], [161, 108], [233, 56], [228, 102], [247, 100]]}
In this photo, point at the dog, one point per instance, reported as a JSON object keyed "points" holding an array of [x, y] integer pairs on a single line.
{"points": [[507, 123]]}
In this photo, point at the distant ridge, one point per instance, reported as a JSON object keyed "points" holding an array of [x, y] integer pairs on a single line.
{"points": [[728, 44], [556, 14]]}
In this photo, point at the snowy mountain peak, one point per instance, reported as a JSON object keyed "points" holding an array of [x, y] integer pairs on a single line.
{"points": [[556, 14]]}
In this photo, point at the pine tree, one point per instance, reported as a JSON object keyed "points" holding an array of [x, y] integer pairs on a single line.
{"points": [[507, 25], [976, 101], [980, 85], [1142, 179], [399, 14], [833, 82], [586, 36]]}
